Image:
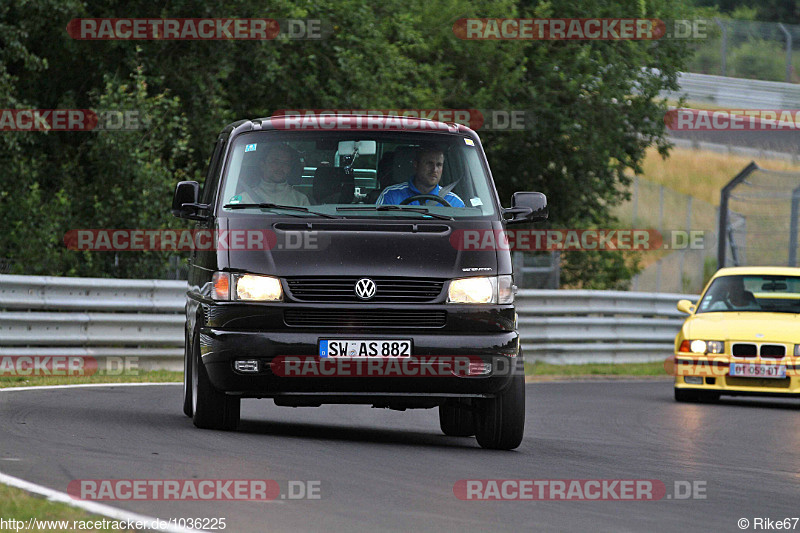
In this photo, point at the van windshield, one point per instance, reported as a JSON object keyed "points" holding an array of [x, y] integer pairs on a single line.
{"points": [[354, 174]]}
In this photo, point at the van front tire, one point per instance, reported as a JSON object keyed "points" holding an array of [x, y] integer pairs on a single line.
{"points": [[500, 421], [211, 408], [187, 378]]}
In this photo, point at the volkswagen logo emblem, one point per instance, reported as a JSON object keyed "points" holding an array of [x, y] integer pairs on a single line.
{"points": [[365, 288]]}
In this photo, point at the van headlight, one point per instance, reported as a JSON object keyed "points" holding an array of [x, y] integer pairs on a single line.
{"points": [[251, 287], [481, 290], [246, 287]]}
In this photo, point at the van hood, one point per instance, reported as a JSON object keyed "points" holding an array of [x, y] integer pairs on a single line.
{"points": [[360, 247]]}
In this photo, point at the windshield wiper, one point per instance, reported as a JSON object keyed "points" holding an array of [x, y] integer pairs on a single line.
{"points": [[391, 207], [265, 205]]}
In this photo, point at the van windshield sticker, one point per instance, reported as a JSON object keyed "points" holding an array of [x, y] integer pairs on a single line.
{"points": [[469, 142], [475, 201], [236, 199], [250, 148]]}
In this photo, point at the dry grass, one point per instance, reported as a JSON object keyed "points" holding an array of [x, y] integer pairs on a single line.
{"points": [[700, 173]]}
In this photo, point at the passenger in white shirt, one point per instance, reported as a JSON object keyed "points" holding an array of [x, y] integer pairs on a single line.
{"points": [[272, 187]]}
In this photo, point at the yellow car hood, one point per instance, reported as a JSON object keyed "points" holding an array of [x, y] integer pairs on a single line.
{"points": [[752, 326]]}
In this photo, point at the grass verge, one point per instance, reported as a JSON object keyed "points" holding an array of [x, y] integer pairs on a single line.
{"points": [[152, 376], [16, 504], [543, 371]]}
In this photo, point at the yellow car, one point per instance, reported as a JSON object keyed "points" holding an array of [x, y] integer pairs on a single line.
{"points": [[742, 337]]}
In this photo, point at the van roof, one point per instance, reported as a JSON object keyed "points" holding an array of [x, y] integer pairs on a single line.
{"points": [[349, 122]]}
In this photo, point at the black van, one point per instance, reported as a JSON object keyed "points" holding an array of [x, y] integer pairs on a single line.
{"points": [[359, 260]]}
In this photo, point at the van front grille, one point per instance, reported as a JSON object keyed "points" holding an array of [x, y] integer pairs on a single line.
{"points": [[342, 289]]}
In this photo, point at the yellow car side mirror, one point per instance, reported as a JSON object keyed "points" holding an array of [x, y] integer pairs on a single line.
{"points": [[685, 306]]}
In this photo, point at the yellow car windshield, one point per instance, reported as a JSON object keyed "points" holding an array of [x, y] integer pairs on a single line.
{"points": [[752, 293]]}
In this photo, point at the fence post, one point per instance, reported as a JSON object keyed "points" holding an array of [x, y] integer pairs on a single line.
{"points": [[723, 212], [688, 233], [723, 65], [793, 227], [788, 52], [556, 269]]}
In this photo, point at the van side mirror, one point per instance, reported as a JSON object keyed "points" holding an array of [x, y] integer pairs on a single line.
{"points": [[184, 203], [527, 207]]}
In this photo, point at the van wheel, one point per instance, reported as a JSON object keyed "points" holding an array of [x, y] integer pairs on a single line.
{"points": [[500, 421], [187, 377], [456, 421], [212, 409]]}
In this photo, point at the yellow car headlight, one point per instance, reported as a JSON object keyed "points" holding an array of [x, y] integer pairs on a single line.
{"points": [[251, 287], [704, 347], [698, 346], [481, 290]]}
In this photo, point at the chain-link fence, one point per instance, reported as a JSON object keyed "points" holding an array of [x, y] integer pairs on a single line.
{"points": [[759, 213], [749, 49], [688, 228]]}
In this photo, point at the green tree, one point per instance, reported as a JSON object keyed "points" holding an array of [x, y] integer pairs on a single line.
{"points": [[596, 102]]}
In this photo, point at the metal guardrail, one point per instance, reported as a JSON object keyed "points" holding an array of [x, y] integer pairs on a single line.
{"points": [[144, 318], [101, 318], [738, 93], [582, 326]]}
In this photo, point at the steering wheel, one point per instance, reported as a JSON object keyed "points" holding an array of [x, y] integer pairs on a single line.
{"points": [[426, 197]]}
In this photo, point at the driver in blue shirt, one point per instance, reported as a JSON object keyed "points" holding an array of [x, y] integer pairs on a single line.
{"points": [[428, 166]]}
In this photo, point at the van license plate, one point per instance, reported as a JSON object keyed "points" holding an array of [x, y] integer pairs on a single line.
{"points": [[363, 349]]}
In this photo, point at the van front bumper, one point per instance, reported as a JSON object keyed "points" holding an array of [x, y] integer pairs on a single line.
{"points": [[424, 374]]}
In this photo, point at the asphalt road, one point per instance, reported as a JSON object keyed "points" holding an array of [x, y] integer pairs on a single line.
{"points": [[394, 471]]}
